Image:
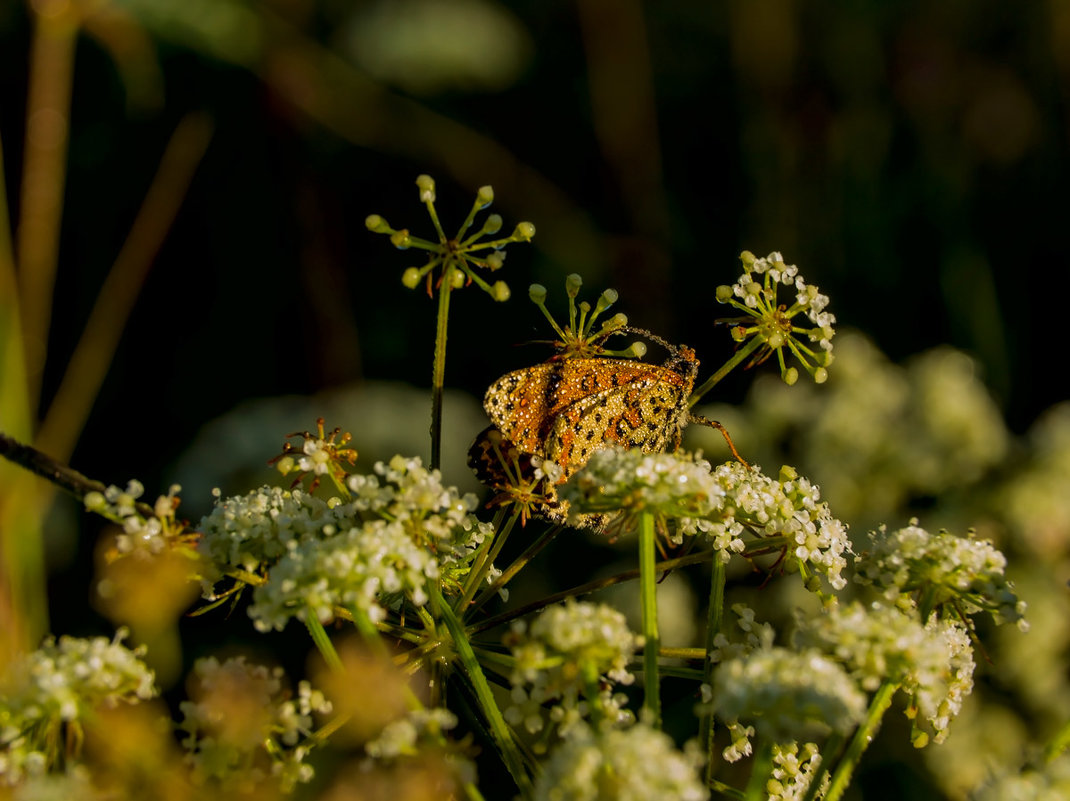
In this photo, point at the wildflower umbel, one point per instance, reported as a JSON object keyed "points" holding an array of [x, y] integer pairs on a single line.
{"points": [[630, 765], [242, 720], [768, 324], [145, 529], [458, 257], [932, 663], [47, 695], [570, 652], [578, 337], [787, 695], [951, 575], [320, 454]]}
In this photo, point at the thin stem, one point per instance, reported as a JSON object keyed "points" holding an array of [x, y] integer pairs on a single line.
{"points": [[648, 577], [518, 564], [323, 643], [760, 770], [737, 358], [438, 377], [476, 578], [841, 778], [586, 589], [499, 729], [714, 618]]}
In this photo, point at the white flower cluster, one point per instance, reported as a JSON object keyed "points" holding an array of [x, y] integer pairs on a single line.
{"points": [[401, 737], [61, 683], [718, 504], [249, 532], [807, 298], [356, 569], [793, 771], [946, 569], [752, 636], [634, 764], [932, 663], [1050, 782], [140, 533], [567, 651], [787, 695], [401, 529], [243, 725], [432, 512]]}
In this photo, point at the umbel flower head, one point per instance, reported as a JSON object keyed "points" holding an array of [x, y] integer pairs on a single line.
{"points": [[768, 324], [457, 259], [570, 651], [402, 528], [634, 764], [578, 337], [932, 663], [787, 695], [940, 572], [719, 504]]}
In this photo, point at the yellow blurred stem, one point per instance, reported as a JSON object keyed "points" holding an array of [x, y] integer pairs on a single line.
{"points": [[44, 173], [92, 356]]}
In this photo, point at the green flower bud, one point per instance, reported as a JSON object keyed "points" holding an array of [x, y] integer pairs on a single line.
{"points": [[493, 224], [638, 349], [573, 282], [401, 239], [790, 376], [724, 293], [500, 291], [609, 297], [485, 196], [537, 293], [285, 465], [495, 260], [376, 224], [95, 501], [457, 278], [524, 232], [821, 375], [411, 278], [748, 259], [426, 185]]}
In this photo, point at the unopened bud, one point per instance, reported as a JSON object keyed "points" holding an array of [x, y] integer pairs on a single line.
{"points": [[376, 224], [724, 293], [821, 375], [457, 279], [285, 465], [411, 278], [500, 291], [401, 239], [493, 224], [573, 282], [426, 185], [485, 196], [748, 259], [524, 231], [790, 376], [495, 260], [537, 293]]}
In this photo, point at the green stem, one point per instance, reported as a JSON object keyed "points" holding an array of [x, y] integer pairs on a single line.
{"points": [[714, 617], [841, 778], [479, 571], [760, 771], [507, 575], [323, 643], [752, 345], [726, 790], [438, 376], [499, 729], [648, 578], [1059, 743]]}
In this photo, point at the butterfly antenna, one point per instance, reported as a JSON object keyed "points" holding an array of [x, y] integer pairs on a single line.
{"points": [[705, 421]]}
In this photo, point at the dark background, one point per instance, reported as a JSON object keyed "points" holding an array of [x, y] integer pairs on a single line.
{"points": [[910, 157]]}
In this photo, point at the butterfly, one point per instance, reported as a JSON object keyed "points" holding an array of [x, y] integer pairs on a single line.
{"points": [[548, 419]]}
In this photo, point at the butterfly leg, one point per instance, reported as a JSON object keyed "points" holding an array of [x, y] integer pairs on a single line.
{"points": [[705, 421]]}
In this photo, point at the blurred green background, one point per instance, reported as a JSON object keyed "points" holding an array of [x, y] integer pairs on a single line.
{"points": [[910, 157]]}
